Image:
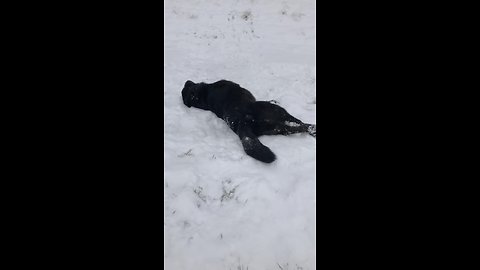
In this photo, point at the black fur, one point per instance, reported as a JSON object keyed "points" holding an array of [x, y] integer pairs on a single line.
{"points": [[247, 117]]}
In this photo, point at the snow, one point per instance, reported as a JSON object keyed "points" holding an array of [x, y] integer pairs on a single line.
{"points": [[292, 124], [222, 208]]}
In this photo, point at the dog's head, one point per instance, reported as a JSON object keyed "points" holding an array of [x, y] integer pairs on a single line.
{"points": [[192, 95], [188, 94]]}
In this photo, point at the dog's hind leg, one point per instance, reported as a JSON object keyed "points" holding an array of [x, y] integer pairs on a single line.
{"points": [[271, 119], [252, 145], [293, 125], [292, 128]]}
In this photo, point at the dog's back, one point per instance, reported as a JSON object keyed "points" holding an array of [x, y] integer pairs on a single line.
{"points": [[224, 96]]}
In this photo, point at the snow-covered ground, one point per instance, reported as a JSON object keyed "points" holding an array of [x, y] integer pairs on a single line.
{"points": [[223, 209]]}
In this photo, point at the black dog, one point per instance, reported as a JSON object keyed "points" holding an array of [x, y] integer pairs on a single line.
{"points": [[247, 117]]}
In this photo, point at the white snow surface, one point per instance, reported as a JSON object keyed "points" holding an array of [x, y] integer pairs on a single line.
{"points": [[222, 208]]}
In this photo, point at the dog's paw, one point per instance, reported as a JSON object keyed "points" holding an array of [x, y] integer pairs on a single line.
{"points": [[312, 130]]}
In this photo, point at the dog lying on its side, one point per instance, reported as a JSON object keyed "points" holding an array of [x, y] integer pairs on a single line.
{"points": [[247, 117]]}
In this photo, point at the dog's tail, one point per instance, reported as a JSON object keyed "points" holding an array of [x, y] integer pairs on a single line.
{"points": [[253, 147]]}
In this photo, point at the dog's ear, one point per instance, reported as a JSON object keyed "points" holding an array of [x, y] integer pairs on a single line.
{"points": [[189, 83]]}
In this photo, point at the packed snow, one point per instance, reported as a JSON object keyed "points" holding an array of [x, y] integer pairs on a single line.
{"points": [[222, 208]]}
